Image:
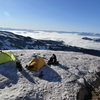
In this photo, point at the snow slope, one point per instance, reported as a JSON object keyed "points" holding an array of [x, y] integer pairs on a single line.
{"points": [[60, 82], [9, 41]]}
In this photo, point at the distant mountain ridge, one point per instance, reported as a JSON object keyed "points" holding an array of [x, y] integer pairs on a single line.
{"points": [[30, 30], [91, 39], [16, 29]]}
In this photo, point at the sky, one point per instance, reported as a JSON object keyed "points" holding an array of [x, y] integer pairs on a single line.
{"points": [[64, 15]]}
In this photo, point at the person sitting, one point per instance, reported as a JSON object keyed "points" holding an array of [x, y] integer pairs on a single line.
{"points": [[53, 60]]}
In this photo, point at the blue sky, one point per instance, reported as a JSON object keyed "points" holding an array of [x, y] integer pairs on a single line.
{"points": [[65, 15]]}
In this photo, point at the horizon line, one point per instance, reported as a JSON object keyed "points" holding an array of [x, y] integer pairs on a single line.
{"points": [[48, 30]]}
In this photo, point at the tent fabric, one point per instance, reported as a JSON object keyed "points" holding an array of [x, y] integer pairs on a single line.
{"points": [[6, 57], [37, 63]]}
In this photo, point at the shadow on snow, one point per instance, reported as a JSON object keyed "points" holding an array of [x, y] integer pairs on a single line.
{"points": [[50, 75]]}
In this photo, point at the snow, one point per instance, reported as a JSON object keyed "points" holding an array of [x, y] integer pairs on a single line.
{"points": [[59, 82], [6, 34], [30, 42], [6, 44]]}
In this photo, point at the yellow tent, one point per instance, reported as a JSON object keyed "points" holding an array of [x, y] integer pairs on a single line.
{"points": [[37, 63]]}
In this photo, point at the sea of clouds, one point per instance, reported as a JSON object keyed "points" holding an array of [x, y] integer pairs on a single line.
{"points": [[73, 39]]}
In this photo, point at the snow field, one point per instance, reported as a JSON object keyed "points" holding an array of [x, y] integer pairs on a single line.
{"points": [[60, 82]]}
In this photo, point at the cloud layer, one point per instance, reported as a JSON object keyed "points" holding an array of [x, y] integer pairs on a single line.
{"points": [[73, 39]]}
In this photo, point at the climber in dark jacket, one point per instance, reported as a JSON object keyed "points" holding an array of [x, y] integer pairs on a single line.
{"points": [[53, 60]]}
